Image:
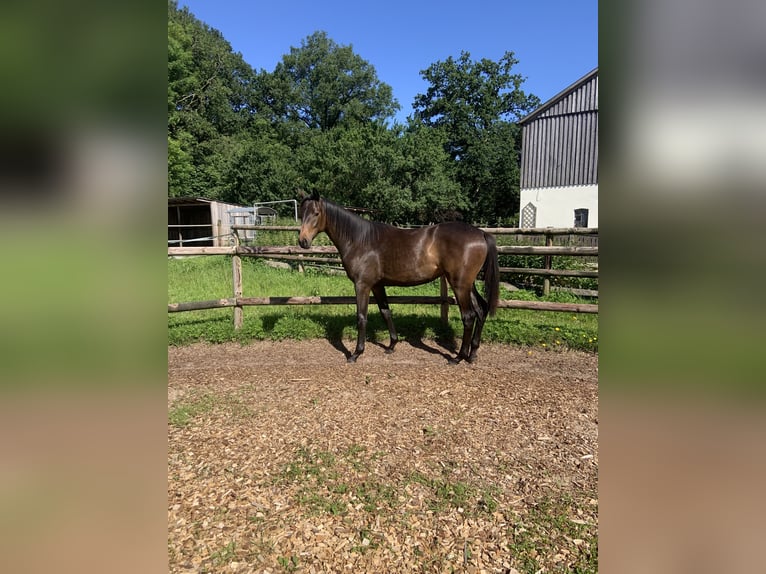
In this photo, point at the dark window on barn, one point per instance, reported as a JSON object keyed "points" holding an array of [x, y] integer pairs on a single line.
{"points": [[581, 218]]}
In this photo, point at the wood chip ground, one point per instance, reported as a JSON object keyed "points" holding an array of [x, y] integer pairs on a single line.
{"points": [[283, 458]]}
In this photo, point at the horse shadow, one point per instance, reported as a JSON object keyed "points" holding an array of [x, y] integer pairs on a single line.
{"points": [[411, 329]]}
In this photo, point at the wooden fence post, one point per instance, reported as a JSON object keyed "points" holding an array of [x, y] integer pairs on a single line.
{"points": [[236, 273], [444, 304], [548, 265]]}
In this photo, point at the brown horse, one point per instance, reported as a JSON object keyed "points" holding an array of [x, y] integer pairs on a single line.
{"points": [[375, 255]]}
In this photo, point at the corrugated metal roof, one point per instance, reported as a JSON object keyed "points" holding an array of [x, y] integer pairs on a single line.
{"points": [[560, 96], [188, 200]]}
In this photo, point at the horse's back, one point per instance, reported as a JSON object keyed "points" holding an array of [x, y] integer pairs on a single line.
{"points": [[415, 256], [459, 228], [457, 235]]}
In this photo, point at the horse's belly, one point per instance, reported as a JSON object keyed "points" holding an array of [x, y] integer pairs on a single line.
{"points": [[414, 261], [410, 272]]}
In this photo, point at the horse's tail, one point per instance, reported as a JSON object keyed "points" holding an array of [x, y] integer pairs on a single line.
{"points": [[491, 274]]}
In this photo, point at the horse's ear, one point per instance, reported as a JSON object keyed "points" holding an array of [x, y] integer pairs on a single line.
{"points": [[301, 194], [315, 195]]}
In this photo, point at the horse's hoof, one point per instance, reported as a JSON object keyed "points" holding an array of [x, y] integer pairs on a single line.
{"points": [[454, 360], [351, 359], [389, 350]]}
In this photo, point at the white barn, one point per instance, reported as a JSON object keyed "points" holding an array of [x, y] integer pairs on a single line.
{"points": [[559, 159]]}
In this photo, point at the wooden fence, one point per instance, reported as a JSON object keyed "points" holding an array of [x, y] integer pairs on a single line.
{"points": [[326, 254]]}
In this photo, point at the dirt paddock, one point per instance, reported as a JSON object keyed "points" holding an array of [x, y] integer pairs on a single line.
{"points": [[283, 458]]}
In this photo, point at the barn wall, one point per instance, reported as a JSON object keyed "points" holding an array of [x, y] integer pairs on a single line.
{"points": [[583, 98], [560, 140], [556, 205], [561, 151], [220, 221]]}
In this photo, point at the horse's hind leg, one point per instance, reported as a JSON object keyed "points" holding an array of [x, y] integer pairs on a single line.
{"points": [[481, 308], [468, 315], [382, 299]]}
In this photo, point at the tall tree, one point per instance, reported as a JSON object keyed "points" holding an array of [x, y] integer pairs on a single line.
{"points": [[325, 85], [475, 103], [424, 171], [260, 168], [209, 100]]}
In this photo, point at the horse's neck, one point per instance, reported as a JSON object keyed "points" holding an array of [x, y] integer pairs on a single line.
{"points": [[345, 228]]}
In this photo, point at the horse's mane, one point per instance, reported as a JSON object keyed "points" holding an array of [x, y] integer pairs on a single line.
{"points": [[349, 226]]}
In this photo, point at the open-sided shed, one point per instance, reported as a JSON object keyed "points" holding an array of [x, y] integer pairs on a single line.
{"points": [[196, 221]]}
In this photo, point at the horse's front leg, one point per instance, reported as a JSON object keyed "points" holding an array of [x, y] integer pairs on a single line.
{"points": [[362, 302], [382, 299]]}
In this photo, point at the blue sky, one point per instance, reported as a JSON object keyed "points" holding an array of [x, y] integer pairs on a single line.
{"points": [[556, 42]]}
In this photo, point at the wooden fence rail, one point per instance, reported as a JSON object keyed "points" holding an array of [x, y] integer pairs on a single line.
{"points": [[492, 230], [311, 300], [328, 254], [256, 251], [347, 300]]}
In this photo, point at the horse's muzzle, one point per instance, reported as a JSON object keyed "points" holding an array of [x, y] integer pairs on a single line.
{"points": [[304, 243]]}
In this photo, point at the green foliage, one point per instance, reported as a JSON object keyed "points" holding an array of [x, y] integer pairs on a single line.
{"points": [[181, 167], [210, 100], [477, 103], [319, 122], [324, 85], [261, 167], [466, 96], [491, 174], [424, 169]]}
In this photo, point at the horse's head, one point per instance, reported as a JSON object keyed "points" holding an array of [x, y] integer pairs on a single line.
{"points": [[313, 219]]}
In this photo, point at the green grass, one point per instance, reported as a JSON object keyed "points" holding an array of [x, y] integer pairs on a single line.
{"points": [[444, 493], [184, 411], [204, 278], [328, 481], [331, 483], [181, 414], [219, 558], [288, 563], [550, 525]]}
